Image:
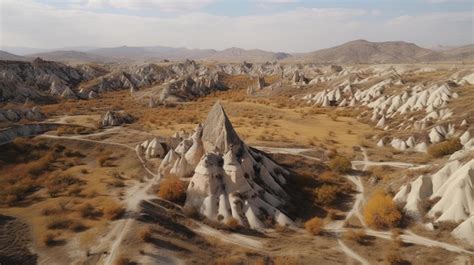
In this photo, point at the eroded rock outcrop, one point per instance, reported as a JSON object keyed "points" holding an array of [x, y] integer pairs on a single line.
{"points": [[14, 115], [228, 178], [151, 148], [452, 190], [116, 118], [41, 79]]}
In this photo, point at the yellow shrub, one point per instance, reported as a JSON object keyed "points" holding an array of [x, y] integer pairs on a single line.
{"points": [[340, 164], [232, 223], [326, 194], [444, 148], [114, 212], [327, 176], [173, 189], [381, 212], [314, 225]]}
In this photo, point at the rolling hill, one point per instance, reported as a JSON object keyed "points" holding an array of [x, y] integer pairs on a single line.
{"points": [[71, 57], [6, 56], [362, 51], [358, 51]]}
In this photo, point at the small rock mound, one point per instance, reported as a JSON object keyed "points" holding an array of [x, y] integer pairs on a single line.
{"points": [[11, 115], [228, 178], [116, 118], [151, 148]]}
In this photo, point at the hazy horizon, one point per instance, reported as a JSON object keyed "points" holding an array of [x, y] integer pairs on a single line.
{"points": [[291, 26], [32, 50]]}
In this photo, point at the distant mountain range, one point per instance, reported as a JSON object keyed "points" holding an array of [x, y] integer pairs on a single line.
{"points": [[358, 51], [6, 56], [362, 51]]}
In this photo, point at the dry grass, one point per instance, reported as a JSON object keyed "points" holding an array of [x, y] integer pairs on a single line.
{"points": [[444, 148], [393, 257], [103, 159], [232, 223], [89, 211], [49, 240], [125, 261], [59, 222], [314, 225], [114, 211], [358, 236], [328, 176], [326, 194], [286, 260], [340, 164], [146, 234], [68, 130], [381, 212], [173, 189], [64, 223]]}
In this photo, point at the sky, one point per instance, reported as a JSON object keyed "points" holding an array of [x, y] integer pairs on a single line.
{"points": [[274, 25]]}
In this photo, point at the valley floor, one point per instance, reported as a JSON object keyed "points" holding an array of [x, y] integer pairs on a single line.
{"points": [[110, 213]]}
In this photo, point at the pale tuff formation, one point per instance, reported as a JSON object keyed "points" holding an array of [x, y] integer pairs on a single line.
{"points": [[115, 118], [11, 115], [453, 188], [259, 85], [169, 82], [9, 134], [399, 109], [228, 178], [41, 79]]}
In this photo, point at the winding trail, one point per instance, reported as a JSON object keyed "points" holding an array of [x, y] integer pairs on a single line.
{"points": [[349, 252], [134, 196], [338, 226], [113, 239], [138, 193]]}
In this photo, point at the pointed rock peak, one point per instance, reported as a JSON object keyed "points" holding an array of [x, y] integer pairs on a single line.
{"points": [[218, 133], [38, 60]]}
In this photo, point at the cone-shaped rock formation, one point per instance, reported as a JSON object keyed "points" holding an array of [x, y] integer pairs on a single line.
{"points": [[228, 178]]}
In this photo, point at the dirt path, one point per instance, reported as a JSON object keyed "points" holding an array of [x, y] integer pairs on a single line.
{"points": [[84, 139], [338, 226], [135, 194], [350, 253], [138, 192]]}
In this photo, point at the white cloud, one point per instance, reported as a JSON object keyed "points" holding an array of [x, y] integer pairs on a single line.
{"points": [[276, 1], [447, 1], [26, 23], [165, 5]]}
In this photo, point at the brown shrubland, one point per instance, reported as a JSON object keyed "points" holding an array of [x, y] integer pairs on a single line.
{"points": [[381, 212], [114, 212], [444, 148], [314, 225], [340, 164], [173, 189], [326, 194]]}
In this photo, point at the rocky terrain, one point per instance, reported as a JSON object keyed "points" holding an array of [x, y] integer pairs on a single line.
{"points": [[228, 179], [418, 111], [281, 161]]}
